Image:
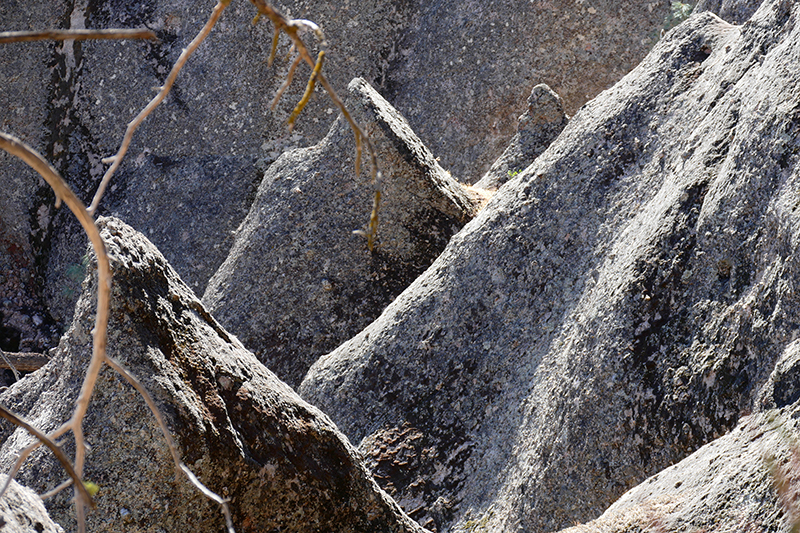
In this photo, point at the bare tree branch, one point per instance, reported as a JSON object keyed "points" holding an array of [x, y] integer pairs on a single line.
{"points": [[23, 362], [116, 160], [55, 448], [77, 35]]}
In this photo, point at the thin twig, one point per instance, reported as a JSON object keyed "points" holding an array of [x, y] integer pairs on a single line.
{"points": [[55, 448], [173, 449], [291, 27], [23, 362], [10, 365], [77, 35], [116, 160], [289, 77], [312, 82], [14, 146]]}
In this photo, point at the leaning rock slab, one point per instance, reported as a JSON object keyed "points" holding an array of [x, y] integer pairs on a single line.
{"points": [[22, 511], [745, 481], [610, 311], [248, 436], [297, 281]]}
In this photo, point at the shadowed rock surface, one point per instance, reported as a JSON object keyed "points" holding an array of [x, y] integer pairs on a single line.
{"points": [[538, 127], [298, 282], [73, 100], [26, 203], [247, 435], [618, 305], [22, 511], [733, 11]]}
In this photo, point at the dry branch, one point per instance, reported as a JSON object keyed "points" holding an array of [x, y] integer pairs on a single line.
{"points": [[77, 35], [55, 448], [116, 159], [23, 362]]}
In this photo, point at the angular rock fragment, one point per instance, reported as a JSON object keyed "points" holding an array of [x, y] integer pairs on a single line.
{"points": [[248, 436], [538, 127], [748, 480], [297, 281], [614, 308], [22, 511]]}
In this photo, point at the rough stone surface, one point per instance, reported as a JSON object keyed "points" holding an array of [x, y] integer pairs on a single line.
{"points": [[298, 282], [463, 68], [22, 511], [538, 127], [614, 308], [25, 204], [733, 11], [247, 435], [746, 481], [216, 128]]}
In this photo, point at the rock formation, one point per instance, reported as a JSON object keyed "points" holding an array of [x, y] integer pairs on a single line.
{"points": [[22, 511], [618, 305], [744, 481], [248, 436], [195, 163], [621, 322], [298, 282], [538, 127]]}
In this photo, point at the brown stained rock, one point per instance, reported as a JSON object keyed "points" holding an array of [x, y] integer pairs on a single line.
{"points": [[538, 127], [248, 436], [297, 281], [618, 305]]}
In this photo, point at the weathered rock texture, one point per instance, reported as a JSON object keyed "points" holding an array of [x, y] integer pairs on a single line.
{"points": [[614, 308], [463, 69], [734, 11], [746, 481], [460, 70], [26, 202], [22, 511], [247, 435], [538, 127], [298, 282]]}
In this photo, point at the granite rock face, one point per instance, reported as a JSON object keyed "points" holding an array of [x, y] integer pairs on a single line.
{"points": [[744, 481], [194, 164], [733, 11], [618, 305], [298, 282], [247, 435], [463, 68], [26, 210], [538, 127], [22, 511]]}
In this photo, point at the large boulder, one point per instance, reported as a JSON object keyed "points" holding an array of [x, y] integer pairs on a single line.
{"points": [[195, 163], [462, 69], [248, 436], [615, 307], [298, 282]]}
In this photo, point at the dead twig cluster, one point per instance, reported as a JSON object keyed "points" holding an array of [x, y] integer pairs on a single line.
{"points": [[12, 145]]}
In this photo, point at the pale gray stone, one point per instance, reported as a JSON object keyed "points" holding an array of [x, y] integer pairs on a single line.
{"points": [[615, 307]]}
